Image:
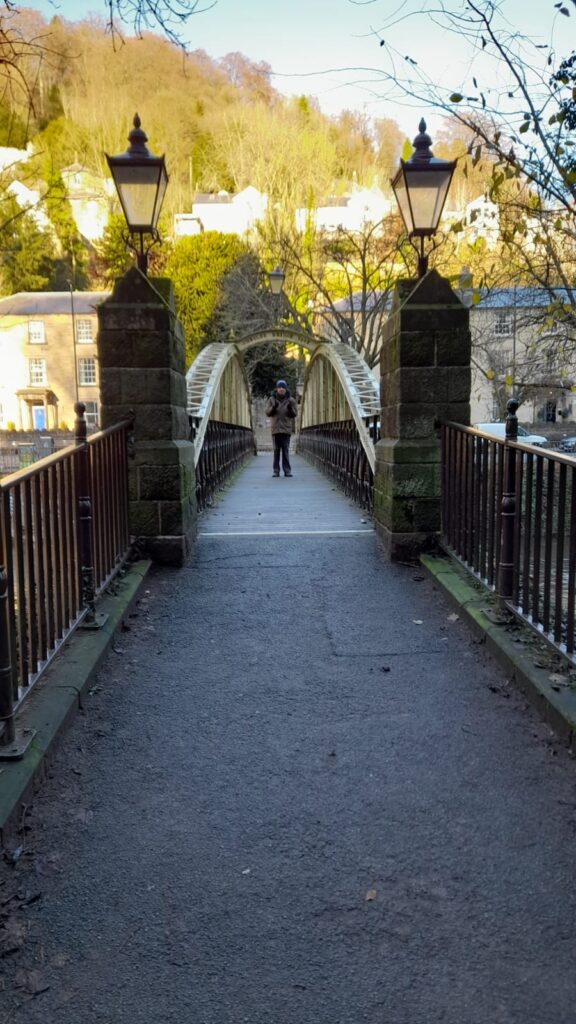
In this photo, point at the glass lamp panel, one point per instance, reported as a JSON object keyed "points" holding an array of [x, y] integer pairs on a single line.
{"points": [[428, 190], [162, 185], [137, 188], [276, 278], [403, 200]]}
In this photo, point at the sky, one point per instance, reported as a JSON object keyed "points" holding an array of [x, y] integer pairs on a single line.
{"points": [[306, 41]]}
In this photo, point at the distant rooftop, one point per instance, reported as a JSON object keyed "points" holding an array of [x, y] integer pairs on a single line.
{"points": [[371, 298], [44, 303], [519, 298], [213, 197]]}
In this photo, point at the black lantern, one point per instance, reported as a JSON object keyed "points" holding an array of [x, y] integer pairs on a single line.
{"points": [[276, 279], [421, 186], [140, 179]]}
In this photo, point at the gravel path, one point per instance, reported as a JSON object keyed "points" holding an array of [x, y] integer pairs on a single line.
{"points": [[300, 794]]}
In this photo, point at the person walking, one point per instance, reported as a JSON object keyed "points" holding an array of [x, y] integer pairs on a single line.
{"points": [[282, 410]]}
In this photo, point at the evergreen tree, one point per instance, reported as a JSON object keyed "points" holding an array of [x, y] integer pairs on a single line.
{"points": [[197, 266], [70, 263], [26, 252]]}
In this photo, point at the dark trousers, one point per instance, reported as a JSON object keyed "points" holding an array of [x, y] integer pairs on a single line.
{"points": [[282, 445]]}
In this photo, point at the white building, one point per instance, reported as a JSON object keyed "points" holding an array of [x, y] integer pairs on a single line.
{"points": [[10, 156], [351, 212], [221, 211], [90, 197], [238, 214]]}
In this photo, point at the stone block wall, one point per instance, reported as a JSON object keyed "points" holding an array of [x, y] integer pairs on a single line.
{"points": [[425, 381], [142, 374]]}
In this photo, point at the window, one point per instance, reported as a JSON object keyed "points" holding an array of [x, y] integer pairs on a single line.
{"points": [[86, 371], [91, 414], [36, 335], [37, 372], [84, 332], [503, 325]]}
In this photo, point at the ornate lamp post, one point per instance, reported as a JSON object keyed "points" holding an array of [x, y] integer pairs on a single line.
{"points": [[140, 179], [421, 185]]}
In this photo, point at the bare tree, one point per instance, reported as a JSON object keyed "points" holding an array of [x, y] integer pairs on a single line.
{"points": [[517, 105], [534, 358], [343, 280]]}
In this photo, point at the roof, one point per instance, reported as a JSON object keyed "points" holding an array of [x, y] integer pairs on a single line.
{"points": [[50, 303], [518, 298], [371, 298], [211, 198], [333, 202]]}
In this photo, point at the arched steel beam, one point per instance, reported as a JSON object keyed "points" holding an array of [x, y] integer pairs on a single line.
{"points": [[359, 384], [357, 380], [203, 382], [280, 336]]}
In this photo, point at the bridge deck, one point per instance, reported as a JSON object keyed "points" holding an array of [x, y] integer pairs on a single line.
{"points": [[301, 796], [307, 503]]}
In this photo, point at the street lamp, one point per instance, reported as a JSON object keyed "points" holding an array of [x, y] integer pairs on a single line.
{"points": [[421, 185], [276, 279], [140, 179]]}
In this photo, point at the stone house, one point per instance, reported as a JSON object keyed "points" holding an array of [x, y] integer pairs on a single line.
{"points": [[48, 359], [519, 348]]}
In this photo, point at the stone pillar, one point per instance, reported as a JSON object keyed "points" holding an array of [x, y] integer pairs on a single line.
{"points": [[425, 381], [142, 371]]}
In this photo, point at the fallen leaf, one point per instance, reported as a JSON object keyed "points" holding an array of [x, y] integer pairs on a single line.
{"points": [[453, 618], [558, 680], [60, 960], [32, 981], [370, 895], [12, 937], [13, 856], [83, 815]]}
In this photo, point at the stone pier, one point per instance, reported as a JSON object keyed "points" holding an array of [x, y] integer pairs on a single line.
{"points": [[142, 373], [425, 381]]}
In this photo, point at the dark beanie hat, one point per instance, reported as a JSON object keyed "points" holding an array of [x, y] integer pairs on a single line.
{"points": [[281, 384]]}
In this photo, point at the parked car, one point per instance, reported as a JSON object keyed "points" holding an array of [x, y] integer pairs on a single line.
{"points": [[499, 430], [567, 444]]}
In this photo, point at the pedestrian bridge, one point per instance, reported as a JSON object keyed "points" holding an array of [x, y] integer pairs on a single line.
{"points": [[302, 794], [338, 422], [299, 795]]}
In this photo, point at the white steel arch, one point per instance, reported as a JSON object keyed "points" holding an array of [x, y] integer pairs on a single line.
{"points": [[338, 385], [217, 389]]}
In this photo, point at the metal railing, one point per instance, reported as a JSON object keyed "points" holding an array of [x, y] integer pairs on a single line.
{"points": [[337, 449], [63, 536], [224, 449], [509, 514]]}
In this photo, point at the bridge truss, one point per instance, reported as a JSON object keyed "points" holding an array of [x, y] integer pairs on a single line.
{"points": [[338, 423]]}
